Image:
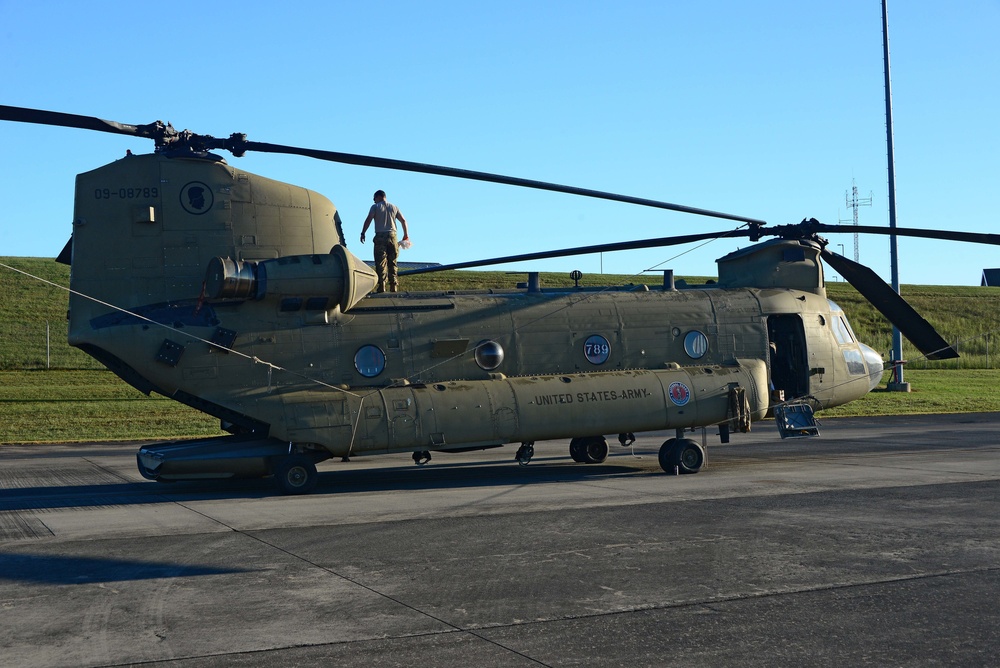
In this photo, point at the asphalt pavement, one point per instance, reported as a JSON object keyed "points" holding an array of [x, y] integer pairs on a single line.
{"points": [[877, 543]]}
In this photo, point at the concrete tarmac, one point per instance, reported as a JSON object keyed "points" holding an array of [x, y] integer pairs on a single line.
{"points": [[877, 543]]}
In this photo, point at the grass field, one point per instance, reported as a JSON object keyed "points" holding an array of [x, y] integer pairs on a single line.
{"points": [[76, 406]]}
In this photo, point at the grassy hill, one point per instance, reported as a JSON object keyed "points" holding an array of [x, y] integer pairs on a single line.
{"points": [[32, 314]]}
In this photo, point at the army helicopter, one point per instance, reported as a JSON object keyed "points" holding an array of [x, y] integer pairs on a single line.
{"points": [[234, 294]]}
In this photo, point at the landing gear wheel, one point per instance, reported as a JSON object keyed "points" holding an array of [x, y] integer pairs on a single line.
{"points": [[525, 453], [589, 450], [682, 455], [295, 474], [665, 455], [421, 457]]}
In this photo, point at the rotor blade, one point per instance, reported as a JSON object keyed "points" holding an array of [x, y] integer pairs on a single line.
{"points": [[896, 310], [814, 226], [945, 235], [41, 117], [582, 250], [406, 166], [237, 144]]}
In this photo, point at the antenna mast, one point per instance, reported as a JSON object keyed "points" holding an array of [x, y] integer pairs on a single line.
{"points": [[897, 384], [853, 202]]}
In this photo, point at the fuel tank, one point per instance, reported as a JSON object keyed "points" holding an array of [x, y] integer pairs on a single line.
{"points": [[501, 410]]}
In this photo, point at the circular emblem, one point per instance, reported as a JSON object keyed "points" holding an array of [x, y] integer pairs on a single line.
{"points": [[596, 349], [679, 393], [197, 198]]}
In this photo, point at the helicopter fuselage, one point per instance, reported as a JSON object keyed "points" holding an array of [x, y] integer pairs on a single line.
{"points": [[230, 292]]}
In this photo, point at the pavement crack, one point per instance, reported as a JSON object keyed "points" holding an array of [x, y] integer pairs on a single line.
{"points": [[451, 628]]}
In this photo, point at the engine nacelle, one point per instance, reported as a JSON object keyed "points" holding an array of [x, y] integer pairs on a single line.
{"points": [[340, 276]]}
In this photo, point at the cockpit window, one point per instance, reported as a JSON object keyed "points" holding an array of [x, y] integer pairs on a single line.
{"points": [[841, 330], [840, 327], [855, 362]]}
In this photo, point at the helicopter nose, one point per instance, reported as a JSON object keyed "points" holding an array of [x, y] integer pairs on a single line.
{"points": [[875, 366]]}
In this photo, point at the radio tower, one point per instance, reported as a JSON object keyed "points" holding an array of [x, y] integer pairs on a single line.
{"points": [[853, 202]]}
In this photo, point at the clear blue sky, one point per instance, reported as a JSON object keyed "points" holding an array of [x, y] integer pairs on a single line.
{"points": [[765, 109]]}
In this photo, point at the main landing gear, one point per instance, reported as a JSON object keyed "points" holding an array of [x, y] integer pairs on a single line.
{"points": [[589, 449], [677, 455], [295, 474], [681, 455]]}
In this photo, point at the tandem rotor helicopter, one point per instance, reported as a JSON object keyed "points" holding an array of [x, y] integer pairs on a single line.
{"points": [[233, 293]]}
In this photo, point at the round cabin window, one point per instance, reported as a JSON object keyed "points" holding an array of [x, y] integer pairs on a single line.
{"points": [[695, 344], [369, 361], [489, 355]]}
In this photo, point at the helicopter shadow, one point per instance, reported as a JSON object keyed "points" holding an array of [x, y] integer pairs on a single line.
{"points": [[433, 476], [52, 569], [466, 475]]}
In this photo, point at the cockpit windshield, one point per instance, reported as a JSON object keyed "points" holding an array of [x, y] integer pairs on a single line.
{"points": [[841, 329]]}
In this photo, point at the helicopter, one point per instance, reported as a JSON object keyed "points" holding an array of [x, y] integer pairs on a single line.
{"points": [[235, 294]]}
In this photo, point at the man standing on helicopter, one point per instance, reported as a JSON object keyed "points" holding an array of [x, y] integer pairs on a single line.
{"points": [[385, 216]]}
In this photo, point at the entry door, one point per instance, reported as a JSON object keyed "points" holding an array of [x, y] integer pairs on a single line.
{"points": [[789, 359]]}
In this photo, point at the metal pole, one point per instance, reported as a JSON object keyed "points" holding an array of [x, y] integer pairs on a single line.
{"points": [[897, 339], [48, 346]]}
